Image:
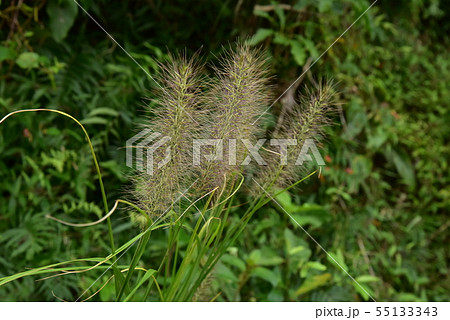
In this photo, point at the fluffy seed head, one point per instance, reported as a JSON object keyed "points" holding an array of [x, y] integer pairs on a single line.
{"points": [[177, 116], [306, 121], [239, 95]]}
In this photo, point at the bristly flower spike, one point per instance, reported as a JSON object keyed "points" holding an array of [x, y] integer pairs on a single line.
{"points": [[239, 95], [177, 116], [307, 121]]}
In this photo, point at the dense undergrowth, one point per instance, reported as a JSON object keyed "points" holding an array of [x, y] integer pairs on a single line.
{"points": [[380, 207]]}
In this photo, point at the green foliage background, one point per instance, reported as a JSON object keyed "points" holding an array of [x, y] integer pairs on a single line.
{"points": [[380, 208]]}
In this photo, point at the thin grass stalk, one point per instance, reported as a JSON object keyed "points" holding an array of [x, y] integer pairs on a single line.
{"points": [[97, 168], [134, 261], [202, 250]]}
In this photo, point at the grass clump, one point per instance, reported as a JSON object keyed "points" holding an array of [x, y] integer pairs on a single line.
{"points": [[192, 106]]}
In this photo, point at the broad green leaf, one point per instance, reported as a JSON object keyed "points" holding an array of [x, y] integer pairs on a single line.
{"points": [[264, 14], [264, 257], [311, 265], [296, 250], [296, 247], [404, 167], [275, 295], [367, 278], [225, 273], [337, 259], [311, 47], [234, 261], [408, 297], [266, 274], [94, 120], [298, 52], [285, 200], [304, 220], [324, 5], [62, 14], [281, 16], [6, 53], [52, 131], [307, 214], [28, 60], [356, 118], [105, 111], [313, 283], [260, 36], [282, 39], [362, 289]]}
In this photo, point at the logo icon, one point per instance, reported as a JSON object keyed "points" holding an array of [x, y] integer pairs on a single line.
{"points": [[145, 151]]}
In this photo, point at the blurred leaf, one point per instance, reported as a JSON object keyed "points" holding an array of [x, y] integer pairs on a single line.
{"points": [[297, 249], [281, 16], [363, 290], [225, 273], [285, 200], [28, 60], [310, 46], [311, 265], [260, 36], [234, 261], [94, 120], [324, 5], [337, 259], [404, 167], [62, 14], [282, 39], [298, 52], [313, 283], [264, 257], [265, 274], [367, 278], [6, 53], [264, 14], [105, 111], [310, 213], [305, 220]]}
